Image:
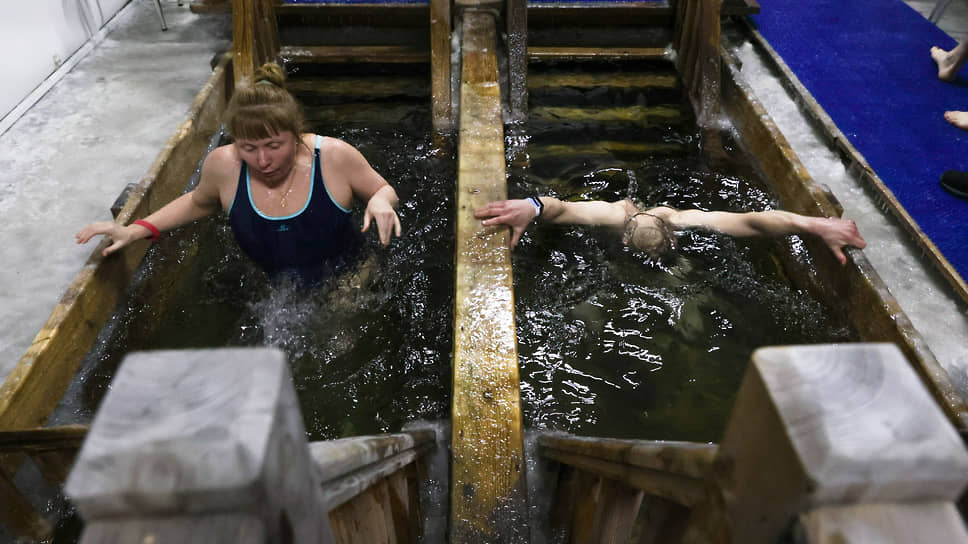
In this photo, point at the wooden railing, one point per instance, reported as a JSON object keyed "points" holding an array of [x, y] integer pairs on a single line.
{"points": [[209, 446], [823, 440]]}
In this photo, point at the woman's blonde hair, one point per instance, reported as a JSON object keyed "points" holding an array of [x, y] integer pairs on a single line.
{"points": [[265, 108]]}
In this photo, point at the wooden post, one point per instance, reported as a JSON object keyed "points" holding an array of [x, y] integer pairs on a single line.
{"points": [[487, 463], [516, 14], [699, 62], [255, 37], [817, 426], [886, 523], [440, 31], [200, 440]]}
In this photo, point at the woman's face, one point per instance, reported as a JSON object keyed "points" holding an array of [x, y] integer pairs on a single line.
{"points": [[272, 158]]}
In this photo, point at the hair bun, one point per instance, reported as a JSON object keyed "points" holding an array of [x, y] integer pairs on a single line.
{"points": [[271, 73]]}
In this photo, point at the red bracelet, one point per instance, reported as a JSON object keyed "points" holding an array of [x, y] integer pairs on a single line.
{"points": [[155, 233]]}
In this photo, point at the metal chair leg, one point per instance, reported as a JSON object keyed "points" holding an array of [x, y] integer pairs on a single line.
{"points": [[161, 13], [938, 10]]}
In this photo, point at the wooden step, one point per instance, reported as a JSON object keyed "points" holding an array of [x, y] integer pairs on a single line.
{"points": [[360, 88], [538, 81], [554, 53], [603, 148], [405, 54], [363, 112], [635, 114]]}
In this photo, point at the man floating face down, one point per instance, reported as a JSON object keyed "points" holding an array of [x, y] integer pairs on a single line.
{"points": [[652, 230]]}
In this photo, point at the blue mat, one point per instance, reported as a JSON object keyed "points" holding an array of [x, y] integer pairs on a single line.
{"points": [[867, 63]]}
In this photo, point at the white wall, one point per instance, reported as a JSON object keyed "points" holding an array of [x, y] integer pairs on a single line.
{"points": [[37, 36]]}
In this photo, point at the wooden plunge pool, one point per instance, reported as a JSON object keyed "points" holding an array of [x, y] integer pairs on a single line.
{"points": [[674, 335], [611, 344]]}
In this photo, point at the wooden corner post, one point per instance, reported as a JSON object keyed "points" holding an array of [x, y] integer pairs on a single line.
{"points": [[846, 426], [487, 463], [440, 65], [204, 445], [255, 37], [698, 36]]}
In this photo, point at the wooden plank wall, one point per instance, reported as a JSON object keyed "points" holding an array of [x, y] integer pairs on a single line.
{"points": [[487, 464]]}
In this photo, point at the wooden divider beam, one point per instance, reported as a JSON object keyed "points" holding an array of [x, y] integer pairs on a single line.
{"points": [[487, 467], [829, 425]]}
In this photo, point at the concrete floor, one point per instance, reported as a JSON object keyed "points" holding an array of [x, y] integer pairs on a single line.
{"points": [[69, 156], [103, 124]]}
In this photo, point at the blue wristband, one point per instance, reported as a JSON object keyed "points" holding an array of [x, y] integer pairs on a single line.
{"points": [[538, 205]]}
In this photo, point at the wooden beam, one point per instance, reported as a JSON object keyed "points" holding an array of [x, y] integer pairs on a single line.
{"points": [[487, 463], [682, 489], [683, 458], [548, 53], [18, 514], [42, 439], [516, 15], [353, 54], [613, 80], [440, 69]]}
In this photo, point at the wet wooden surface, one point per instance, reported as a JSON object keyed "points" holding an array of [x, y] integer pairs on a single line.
{"points": [[440, 65], [487, 464], [351, 54], [828, 425]]}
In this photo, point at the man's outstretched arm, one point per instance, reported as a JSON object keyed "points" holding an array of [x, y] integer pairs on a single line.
{"points": [[517, 214], [835, 232]]}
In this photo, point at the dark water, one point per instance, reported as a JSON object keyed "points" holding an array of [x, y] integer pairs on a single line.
{"points": [[369, 350], [612, 343]]}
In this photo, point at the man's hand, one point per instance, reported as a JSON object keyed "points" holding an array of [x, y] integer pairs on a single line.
{"points": [[513, 213], [837, 233]]}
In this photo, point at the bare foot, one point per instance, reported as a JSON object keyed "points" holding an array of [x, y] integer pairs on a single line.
{"points": [[948, 64], [957, 118]]}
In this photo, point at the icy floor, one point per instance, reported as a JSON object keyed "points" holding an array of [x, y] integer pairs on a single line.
{"points": [[70, 155]]}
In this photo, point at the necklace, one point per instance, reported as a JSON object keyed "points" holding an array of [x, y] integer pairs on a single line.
{"points": [[292, 183]]}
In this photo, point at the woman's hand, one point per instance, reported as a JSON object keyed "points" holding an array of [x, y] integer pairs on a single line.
{"points": [[513, 213], [120, 235], [380, 210]]}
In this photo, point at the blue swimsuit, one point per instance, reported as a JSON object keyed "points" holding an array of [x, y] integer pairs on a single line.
{"points": [[309, 244]]}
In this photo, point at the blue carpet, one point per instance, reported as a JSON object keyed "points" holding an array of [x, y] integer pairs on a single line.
{"points": [[867, 63]]}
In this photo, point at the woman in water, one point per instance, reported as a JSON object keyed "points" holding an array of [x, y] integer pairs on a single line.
{"points": [[287, 192], [652, 230]]}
